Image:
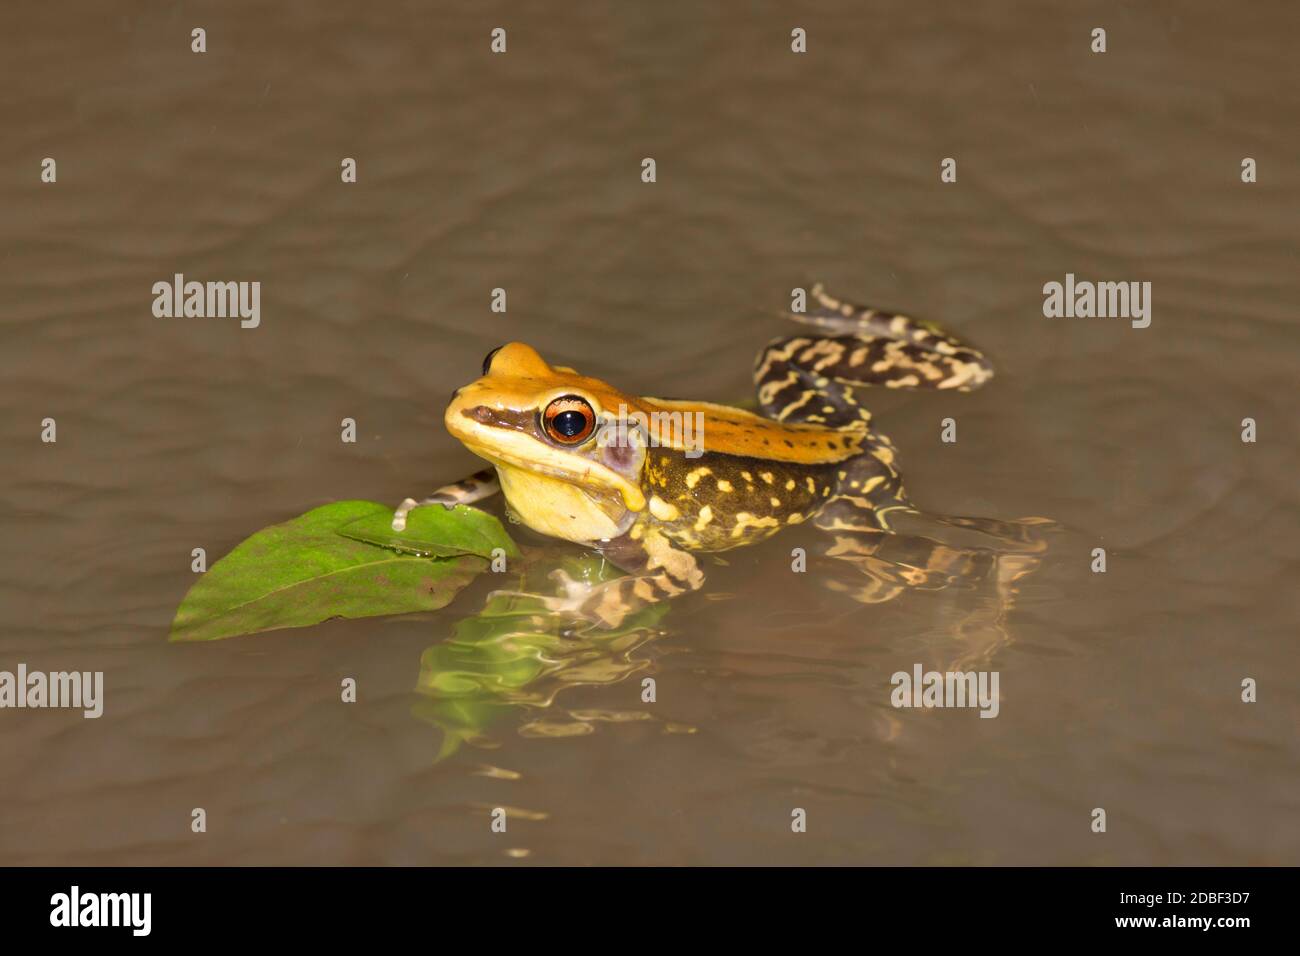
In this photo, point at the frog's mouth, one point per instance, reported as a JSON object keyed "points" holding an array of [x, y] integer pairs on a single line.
{"points": [[510, 438]]}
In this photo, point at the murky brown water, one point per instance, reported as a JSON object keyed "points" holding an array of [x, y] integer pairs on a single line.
{"points": [[1118, 690]]}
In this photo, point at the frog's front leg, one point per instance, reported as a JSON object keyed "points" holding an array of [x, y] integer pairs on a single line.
{"points": [[480, 485], [656, 571]]}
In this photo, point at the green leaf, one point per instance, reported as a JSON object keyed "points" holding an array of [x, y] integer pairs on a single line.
{"points": [[303, 571], [435, 530]]}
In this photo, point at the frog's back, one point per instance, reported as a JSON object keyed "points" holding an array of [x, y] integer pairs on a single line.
{"points": [[813, 455]]}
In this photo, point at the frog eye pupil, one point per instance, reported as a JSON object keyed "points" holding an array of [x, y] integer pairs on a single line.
{"points": [[569, 424], [569, 420]]}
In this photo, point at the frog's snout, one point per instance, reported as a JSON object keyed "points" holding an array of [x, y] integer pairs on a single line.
{"points": [[454, 393]]}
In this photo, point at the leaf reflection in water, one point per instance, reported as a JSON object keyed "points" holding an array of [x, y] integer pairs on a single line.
{"points": [[511, 661]]}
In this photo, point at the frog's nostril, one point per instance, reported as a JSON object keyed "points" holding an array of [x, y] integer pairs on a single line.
{"points": [[454, 393]]}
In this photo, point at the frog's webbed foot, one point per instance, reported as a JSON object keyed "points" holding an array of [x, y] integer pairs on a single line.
{"points": [[991, 568], [657, 571], [988, 577], [665, 574], [1023, 534], [480, 485], [606, 604], [895, 563]]}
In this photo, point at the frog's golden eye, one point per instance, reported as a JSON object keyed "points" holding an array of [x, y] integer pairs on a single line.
{"points": [[487, 359], [569, 420]]}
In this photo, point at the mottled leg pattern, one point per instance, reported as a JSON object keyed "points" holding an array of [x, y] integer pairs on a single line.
{"points": [[795, 374], [793, 389], [938, 358], [876, 533], [480, 485], [657, 571], [868, 491]]}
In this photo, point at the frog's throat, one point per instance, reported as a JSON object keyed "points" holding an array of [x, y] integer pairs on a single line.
{"points": [[520, 453], [560, 508]]}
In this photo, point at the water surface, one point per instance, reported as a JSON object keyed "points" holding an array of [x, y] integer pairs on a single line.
{"points": [[522, 171]]}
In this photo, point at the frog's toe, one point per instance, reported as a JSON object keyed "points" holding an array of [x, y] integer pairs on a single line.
{"points": [[541, 602], [571, 588], [404, 509]]}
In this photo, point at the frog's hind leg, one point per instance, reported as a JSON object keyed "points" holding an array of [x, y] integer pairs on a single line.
{"points": [[868, 492], [810, 378], [657, 570], [480, 485], [898, 548], [902, 352], [893, 562]]}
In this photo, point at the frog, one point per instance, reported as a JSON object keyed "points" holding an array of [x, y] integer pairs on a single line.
{"points": [[653, 484]]}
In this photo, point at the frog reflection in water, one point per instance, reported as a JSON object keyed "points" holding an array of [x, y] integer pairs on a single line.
{"points": [[570, 466]]}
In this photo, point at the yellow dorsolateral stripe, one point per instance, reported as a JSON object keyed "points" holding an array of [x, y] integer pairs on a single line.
{"points": [[734, 431]]}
